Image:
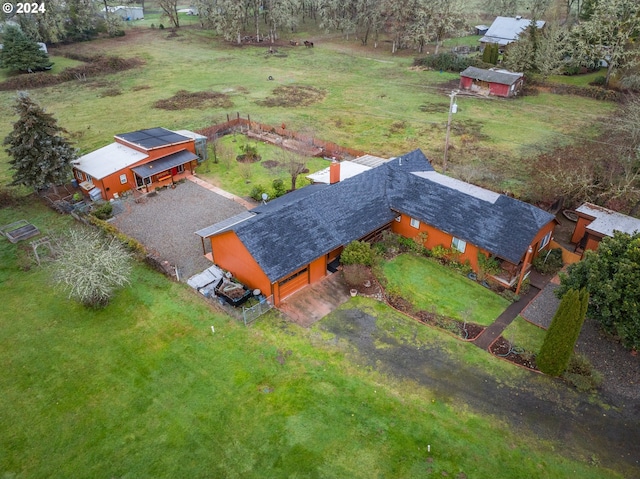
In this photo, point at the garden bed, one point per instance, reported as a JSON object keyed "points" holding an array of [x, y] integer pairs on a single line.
{"points": [[464, 330], [504, 349]]}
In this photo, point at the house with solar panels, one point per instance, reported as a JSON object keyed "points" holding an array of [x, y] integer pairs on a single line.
{"points": [[141, 160]]}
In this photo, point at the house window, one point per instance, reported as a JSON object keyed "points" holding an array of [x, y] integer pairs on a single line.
{"points": [[545, 240], [180, 168], [79, 175], [459, 244], [123, 179], [415, 223]]}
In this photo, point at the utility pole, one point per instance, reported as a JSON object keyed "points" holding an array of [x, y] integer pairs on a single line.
{"points": [[453, 108]]}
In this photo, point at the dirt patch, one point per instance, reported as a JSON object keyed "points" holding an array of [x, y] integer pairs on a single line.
{"points": [[110, 92], [536, 404], [293, 96], [270, 164], [94, 66], [184, 100]]}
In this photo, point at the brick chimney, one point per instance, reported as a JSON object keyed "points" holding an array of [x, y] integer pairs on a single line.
{"points": [[334, 172]]}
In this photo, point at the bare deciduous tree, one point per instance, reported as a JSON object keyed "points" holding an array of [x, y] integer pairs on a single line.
{"points": [[91, 267]]}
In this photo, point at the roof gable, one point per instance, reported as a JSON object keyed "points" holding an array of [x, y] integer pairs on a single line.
{"points": [[292, 236], [505, 30], [504, 77]]}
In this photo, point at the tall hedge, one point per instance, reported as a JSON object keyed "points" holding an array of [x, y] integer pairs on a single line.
{"points": [[563, 333]]}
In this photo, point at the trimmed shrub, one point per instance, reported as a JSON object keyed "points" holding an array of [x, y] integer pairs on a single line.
{"points": [[557, 348], [278, 188], [357, 252]]}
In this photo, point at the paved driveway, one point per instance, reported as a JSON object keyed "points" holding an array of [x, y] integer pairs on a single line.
{"points": [[165, 223]]}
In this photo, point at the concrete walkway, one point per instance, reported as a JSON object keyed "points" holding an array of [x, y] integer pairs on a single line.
{"points": [[314, 302], [489, 335], [205, 184]]}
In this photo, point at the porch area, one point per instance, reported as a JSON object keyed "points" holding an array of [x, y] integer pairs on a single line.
{"points": [[164, 171], [509, 274]]}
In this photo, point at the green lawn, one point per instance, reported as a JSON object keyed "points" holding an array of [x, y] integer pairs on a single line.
{"points": [[525, 335], [145, 388], [433, 287], [579, 80]]}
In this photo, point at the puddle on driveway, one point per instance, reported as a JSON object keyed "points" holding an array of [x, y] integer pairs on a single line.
{"points": [[541, 405]]}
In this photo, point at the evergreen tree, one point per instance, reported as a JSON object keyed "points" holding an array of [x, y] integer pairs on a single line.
{"points": [[611, 274], [563, 333], [20, 53], [41, 156]]}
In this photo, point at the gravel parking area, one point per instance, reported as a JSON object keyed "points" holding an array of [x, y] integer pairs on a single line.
{"points": [[165, 223]]}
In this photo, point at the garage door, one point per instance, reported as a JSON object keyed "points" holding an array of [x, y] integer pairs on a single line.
{"points": [[293, 283]]}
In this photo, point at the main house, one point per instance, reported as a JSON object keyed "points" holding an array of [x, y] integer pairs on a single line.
{"points": [[290, 242], [140, 160]]}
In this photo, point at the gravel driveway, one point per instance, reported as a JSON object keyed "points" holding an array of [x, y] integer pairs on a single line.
{"points": [[165, 223]]}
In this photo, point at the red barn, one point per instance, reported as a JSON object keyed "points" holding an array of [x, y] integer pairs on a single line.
{"points": [[491, 82]]}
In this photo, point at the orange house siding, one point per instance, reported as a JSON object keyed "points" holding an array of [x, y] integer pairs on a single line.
{"points": [[435, 237], [581, 228], [229, 253]]}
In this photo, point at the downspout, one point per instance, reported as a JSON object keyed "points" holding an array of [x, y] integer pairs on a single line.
{"points": [[524, 266]]}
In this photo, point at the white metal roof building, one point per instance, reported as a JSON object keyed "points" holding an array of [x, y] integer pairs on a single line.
{"points": [[108, 160], [505, 30]]}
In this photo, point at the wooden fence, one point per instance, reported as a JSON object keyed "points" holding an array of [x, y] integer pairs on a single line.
{"points": [[275, 135]]}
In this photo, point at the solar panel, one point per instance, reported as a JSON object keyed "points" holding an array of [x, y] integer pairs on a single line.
{"points": [[152, 137]]}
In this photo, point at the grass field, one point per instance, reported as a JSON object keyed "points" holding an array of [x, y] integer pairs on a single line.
{"points": [[374, 101], [145, 388], [433, 287]]}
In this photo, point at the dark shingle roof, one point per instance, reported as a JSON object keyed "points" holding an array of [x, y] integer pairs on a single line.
{"points": [[496, 223], [502, 77], [291, 236], [298, 233]]}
